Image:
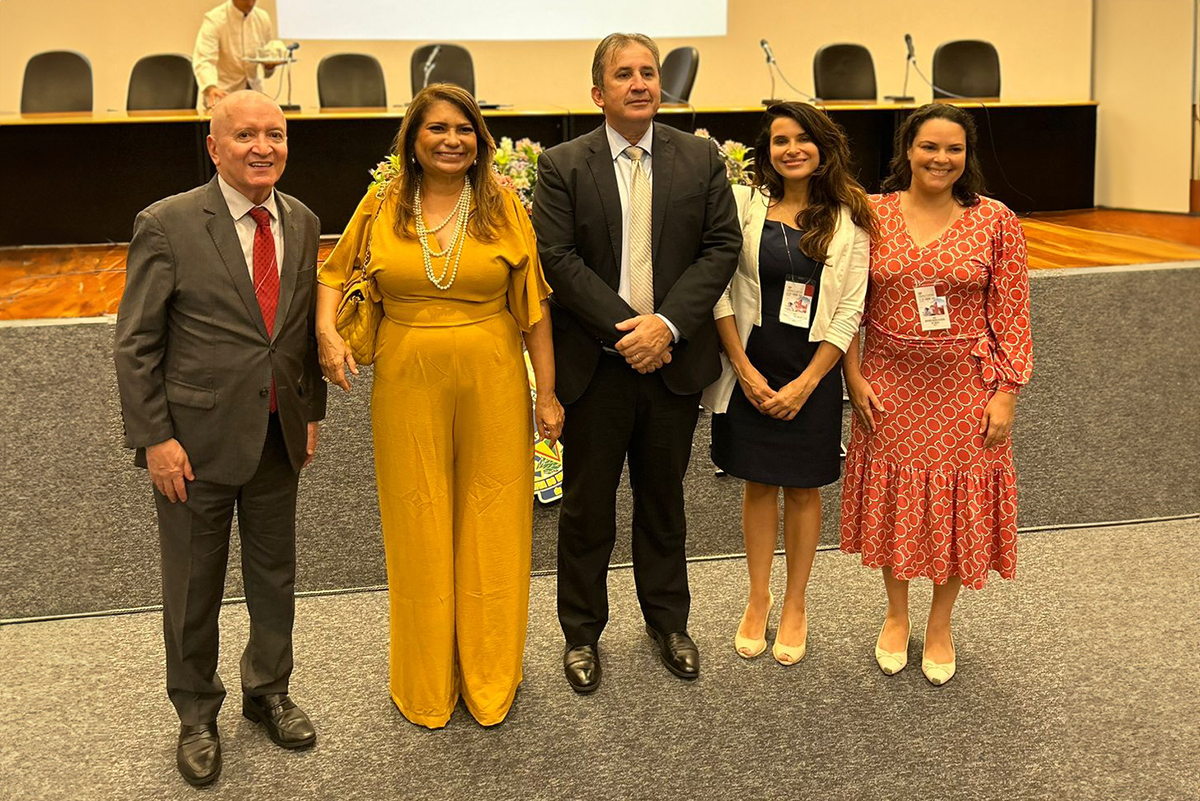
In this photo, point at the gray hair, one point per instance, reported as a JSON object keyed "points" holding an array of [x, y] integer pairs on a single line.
{"points": [[609, 46]]}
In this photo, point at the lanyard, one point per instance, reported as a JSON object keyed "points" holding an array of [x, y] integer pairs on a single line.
{"points": [[787, 247]]}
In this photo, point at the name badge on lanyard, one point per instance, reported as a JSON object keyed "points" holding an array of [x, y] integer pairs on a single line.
{"points": [[932, 308], [796, 308], [798, 293]]}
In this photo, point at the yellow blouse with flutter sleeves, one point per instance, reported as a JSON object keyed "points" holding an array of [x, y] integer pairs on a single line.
{"points": [[505, 271]]}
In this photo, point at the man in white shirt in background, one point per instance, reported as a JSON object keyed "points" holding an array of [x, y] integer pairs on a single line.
{"points": [[231, 34]]}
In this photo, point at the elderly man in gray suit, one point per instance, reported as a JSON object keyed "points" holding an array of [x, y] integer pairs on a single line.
{"points": [[221, 393]]}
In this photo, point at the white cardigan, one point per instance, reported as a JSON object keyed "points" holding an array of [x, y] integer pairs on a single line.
{"points": [[839, 307]]}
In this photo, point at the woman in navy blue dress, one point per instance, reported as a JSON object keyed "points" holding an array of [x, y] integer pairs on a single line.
{"points": [[789, 314]]}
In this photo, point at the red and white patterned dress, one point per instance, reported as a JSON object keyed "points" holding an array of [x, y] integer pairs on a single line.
{"points": [[921, 494]]}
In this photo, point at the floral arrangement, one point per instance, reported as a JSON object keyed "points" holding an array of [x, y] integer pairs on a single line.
{"points": [[384, 172], [739, 164], [516, 167]]}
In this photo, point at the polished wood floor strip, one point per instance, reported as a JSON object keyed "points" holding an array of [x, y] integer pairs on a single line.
{"points": [[87, 280]]}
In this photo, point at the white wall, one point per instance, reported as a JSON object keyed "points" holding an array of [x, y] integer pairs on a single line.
{"points": [[1144, 63]]}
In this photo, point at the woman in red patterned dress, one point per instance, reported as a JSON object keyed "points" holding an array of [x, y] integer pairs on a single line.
{"points": [[930, 489]]}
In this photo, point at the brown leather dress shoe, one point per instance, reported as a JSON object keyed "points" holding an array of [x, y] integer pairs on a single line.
{"points": [[678, 652], [286, 723], [581, 663], [198, 754]]}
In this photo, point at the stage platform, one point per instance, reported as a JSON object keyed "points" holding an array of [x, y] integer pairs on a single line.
{"points": [[63, 282]]}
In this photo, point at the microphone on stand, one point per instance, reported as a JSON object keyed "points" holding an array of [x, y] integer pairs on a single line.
{"points": [[428, 66], [287, 69], [766, 46], [773, 67], [910, 60]]}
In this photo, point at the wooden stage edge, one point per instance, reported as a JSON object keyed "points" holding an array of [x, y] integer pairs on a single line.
{"points": [[73, 281]]}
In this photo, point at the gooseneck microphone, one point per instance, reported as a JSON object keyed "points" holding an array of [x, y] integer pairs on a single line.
{"points": [[909, 61], [772, 68], [766, 46]]}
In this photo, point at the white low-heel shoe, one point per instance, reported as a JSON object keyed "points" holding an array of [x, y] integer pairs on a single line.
{"points": [[939, 673], [892, 662]]}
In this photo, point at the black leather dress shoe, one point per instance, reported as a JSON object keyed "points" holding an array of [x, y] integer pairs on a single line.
{"points": [[678, 652], [286, 723], [581, 663], [199, 753]]}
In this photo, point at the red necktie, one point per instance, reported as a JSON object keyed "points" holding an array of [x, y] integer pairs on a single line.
{"points": [[266, 274]]}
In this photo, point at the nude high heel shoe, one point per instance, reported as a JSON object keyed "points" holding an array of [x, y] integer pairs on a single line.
{"points": [[788, 655], [746, 647], [892, 662], [939, 673]]}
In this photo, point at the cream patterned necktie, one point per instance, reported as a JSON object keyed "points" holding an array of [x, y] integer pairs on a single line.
{"points": [[641, 269]]}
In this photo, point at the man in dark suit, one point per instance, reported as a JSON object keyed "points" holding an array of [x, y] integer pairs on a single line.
{"points": [[637, 233], [221, 394]]}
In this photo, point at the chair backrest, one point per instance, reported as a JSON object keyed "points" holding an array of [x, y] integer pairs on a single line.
{"points": [[969, 67], [57, 81], [450, 64], [161, 82], [844, 72], [351, 80], [678, 74]]}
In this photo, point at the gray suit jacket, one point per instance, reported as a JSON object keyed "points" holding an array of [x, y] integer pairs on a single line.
{"points": [[696, 239], [194, 360]]}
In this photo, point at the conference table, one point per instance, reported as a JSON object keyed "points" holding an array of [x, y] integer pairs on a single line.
{"points": [[82, 178]]}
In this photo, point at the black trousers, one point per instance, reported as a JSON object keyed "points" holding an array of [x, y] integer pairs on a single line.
{"points": [[194, 537], [624, 413]]}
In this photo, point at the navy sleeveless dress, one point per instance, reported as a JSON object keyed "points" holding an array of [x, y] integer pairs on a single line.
{"points": [[806, 450]]}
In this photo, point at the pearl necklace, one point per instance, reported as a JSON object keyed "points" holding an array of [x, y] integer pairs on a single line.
{"points": [[459, 215]]}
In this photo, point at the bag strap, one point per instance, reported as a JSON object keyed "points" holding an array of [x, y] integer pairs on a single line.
{"points": [[364, 260]]}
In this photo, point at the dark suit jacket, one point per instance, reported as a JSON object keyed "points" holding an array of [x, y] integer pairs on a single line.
{"points": [[696, 239], [194, 360]]}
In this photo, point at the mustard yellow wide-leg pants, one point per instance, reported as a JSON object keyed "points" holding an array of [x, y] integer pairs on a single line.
{"points": [[453, 438]]}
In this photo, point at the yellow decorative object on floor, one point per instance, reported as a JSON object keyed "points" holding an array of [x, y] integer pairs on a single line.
{"points": [[453, 459]]}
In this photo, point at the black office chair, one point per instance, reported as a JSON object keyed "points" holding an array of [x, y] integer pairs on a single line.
{"points": [[678, 74], [447, 63], [969, 67], [57, 81], [351, 80], [161, 82], [844, 72]]}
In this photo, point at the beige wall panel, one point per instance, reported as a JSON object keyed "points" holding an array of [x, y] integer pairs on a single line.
{"points": [[1044, 45], [1144, 60]]}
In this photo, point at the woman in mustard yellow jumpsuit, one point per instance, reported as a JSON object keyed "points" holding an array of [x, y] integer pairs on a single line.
{"points": [[453, 256]]}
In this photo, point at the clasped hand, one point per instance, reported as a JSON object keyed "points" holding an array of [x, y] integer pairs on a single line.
{"points": [[647, 346], [783, 404], [788, 401]]}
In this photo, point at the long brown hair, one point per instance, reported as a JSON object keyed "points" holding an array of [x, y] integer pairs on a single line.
{"points": [[487, 202], [831, 185], [969, 186]]}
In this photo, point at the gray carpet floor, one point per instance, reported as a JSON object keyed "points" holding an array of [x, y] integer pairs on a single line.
{"points": [[1076, 681]]}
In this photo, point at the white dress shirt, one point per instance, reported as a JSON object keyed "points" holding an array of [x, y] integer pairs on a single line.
{"points": [[239, 208], [226, 39], [623, 165]]}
